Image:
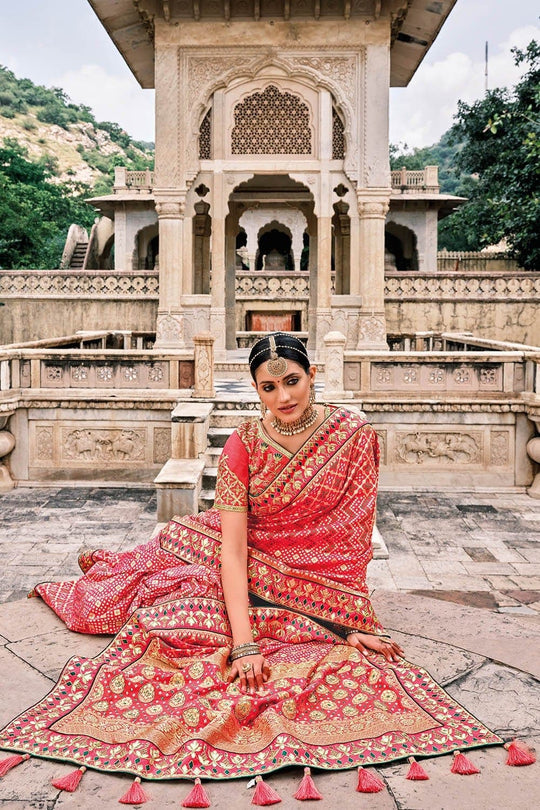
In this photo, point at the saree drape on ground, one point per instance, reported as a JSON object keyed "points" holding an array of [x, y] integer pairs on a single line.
{"points": [[156, 702]]}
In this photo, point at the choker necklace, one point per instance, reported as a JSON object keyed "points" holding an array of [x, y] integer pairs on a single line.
{"points": [[306, 420]]}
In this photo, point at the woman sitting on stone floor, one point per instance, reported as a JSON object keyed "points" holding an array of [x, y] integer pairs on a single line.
{"points": [[245, 636]]}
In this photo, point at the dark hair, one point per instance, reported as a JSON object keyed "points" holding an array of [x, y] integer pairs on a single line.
{"points": [[287, 346]]}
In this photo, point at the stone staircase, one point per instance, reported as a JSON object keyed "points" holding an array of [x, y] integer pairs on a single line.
{"points": [[77, 258], [224, 419]]}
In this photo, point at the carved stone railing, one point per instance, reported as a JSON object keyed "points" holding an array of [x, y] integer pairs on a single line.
{"points": [[143, 284], [136, 180], [520, 286], [462, 413], [418, 181], [272, 285]]}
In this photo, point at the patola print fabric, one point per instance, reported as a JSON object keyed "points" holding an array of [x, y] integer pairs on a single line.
{"points": [[156, 702]]}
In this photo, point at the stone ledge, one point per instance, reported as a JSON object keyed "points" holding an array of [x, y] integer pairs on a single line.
{"points": [[180, 473], [192, 411]]}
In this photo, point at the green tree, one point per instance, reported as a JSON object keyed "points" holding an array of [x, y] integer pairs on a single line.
{"points": [[500, 147], [35, 211]]}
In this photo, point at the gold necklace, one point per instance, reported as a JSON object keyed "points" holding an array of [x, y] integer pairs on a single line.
{"points": [[306, 420]]}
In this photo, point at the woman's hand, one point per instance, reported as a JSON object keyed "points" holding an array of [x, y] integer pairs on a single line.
{"points": [[362, 641], [252, 671]]}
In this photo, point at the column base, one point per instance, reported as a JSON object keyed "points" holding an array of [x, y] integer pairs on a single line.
{"points": [[372, 332], [170, 330]]}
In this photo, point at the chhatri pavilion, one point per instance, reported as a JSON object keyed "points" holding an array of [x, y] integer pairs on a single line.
{"points": [[272, 204]]}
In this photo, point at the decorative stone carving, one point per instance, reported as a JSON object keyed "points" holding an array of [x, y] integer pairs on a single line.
{"points": [[448, 448], [261, 285], [460, 286], [382, 445], [333, 368], [500, 448], [107, 445], [204, 365], [162, 445], [271, 122], [79, 284], [372, 332], [44, 444], [170, 209], [169, 330]]}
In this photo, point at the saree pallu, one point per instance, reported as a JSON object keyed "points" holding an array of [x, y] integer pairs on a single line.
{"points": [[157, 703]]}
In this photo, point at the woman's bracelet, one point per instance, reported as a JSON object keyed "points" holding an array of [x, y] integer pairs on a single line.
{"points": [[250, 648]]}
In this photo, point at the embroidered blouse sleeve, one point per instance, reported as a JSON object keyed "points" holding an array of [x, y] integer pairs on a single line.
{"points": [[233, 476]]}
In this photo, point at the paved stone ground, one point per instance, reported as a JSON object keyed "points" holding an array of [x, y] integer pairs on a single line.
{"points": [[460, 590]]}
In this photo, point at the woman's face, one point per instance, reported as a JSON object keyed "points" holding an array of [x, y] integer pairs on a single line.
{"points": [[287, 397]]}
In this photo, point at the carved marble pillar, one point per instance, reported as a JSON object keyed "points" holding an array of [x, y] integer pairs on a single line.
{"points": [[372, 321], [204, 365], [218, 213], [7, 443], [170, 325]]}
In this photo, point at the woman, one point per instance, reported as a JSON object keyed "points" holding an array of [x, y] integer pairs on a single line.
{"points": [[246, 640]]}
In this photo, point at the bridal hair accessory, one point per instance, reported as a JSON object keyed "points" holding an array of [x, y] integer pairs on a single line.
{"points": [[276, 366]]}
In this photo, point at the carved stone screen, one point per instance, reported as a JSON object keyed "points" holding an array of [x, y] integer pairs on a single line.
{"points": [[271, 123], [338, 137], [205, 137]]}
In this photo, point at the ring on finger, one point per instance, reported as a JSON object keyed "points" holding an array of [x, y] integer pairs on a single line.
{"points": [[246, 667]]}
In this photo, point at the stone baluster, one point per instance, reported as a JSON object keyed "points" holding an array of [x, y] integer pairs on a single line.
{"points": [[204, 365], [7, 443], [334, 388]]}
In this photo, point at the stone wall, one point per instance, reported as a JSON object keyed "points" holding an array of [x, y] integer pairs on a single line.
{"points": [[43, 304]]}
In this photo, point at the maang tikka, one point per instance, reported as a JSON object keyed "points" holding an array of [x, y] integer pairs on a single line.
{"points": [[276, 366]]}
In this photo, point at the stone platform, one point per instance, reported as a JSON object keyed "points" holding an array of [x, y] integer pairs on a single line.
{"points": [[476, 629]]}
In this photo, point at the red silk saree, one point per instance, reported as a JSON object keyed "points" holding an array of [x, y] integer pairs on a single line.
{"points": [[156, 702]]}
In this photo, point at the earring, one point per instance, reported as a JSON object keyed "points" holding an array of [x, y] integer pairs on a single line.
{"points": [[312, 394], [263, 408]]}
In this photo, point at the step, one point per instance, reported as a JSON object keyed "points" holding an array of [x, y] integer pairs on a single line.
{"points": [[218, 436], [209, 478], [206, 499]]}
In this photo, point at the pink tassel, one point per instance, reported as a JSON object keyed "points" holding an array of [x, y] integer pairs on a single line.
{"points": [[307, 789], [135, 794], [70, 782], [368, 782], [416, 772], [519, 753], [197, 797], [9, 763], [264, 794], [463, 765]]}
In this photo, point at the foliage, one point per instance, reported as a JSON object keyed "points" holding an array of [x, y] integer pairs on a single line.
{"points": [[500, 138], [35, 211]]}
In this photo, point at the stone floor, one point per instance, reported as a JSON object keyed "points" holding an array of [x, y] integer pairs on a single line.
{"points": [[460, 590]]}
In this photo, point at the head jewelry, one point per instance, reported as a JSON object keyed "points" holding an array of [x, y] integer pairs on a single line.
{"points": [[276, 365]]}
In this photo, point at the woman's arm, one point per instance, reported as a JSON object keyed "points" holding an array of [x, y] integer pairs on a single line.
{"points": [[235, 590]]}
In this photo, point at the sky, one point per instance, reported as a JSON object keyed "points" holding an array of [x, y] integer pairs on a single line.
{"points": [[61, 43]]}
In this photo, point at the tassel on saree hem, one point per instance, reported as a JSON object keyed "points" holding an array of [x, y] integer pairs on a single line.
{"points": [[11, 762], [307, 789], [416, 772], [463, 765], [136, 794], [197, 797], [264, 794], [519, 753], [70, 782], [368, 782]]}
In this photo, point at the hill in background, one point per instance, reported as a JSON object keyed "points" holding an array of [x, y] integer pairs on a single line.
{"points": [[76, 147]]}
